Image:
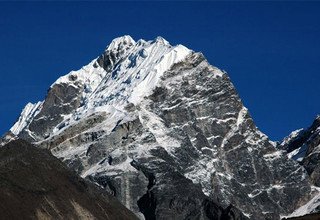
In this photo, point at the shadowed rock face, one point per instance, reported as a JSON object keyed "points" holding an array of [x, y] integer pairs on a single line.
{"points": [[61, 99], [36, 185], [188, 150], [109, 58], [308, 141]]}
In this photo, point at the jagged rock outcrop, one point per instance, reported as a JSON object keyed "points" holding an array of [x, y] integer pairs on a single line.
{"points": [[36, 185], [304, 145], [7, 137], [167, 134]]}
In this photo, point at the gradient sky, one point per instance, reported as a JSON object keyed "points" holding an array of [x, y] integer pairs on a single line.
{"points": [[271, 50]]}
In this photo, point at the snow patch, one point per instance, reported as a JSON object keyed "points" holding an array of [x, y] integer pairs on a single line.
{"points": [[242, 115], [120, 41], [111, 169], [293, 135], [274, 155], [155, 124], [144, 88], [28, 113], [299, 153]]}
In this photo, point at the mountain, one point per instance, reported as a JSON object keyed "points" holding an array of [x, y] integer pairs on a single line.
{"points": [[36, 185], [166, 133]]}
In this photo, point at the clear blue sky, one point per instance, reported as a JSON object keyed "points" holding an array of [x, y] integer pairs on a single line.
{"points": [[271, 50]]}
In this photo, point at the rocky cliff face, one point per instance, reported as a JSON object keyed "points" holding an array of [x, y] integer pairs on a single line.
{"points": [[304, 146], [167, 134], [36, 185]]}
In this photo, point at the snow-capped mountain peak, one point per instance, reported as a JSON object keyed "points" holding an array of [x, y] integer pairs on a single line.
{"points": [[147, 119], [141, 66], [120, 42], [161, 40], [126, 72]]}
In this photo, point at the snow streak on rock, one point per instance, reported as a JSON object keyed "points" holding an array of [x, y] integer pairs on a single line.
{"points": [[28, 113]]}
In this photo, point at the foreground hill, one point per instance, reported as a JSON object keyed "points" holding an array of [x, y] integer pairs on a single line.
{"points": [[36, 185]]}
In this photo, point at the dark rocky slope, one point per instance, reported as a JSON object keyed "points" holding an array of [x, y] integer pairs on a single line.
{"points": [[304, 145], [36, 185]]}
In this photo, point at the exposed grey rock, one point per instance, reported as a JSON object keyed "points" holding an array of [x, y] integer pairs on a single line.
{"points": [[6, 138], [62, 99]]}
